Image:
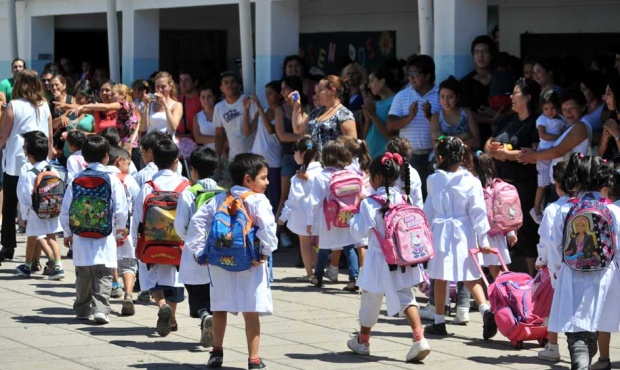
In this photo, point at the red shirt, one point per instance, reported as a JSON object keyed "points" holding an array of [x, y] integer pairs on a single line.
{"points": [[191, 106], [104, 120]]}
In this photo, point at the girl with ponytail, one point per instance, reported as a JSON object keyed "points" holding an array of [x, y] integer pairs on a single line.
{"points": [[409, 182]]}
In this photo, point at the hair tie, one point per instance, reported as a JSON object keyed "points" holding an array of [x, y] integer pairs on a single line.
{"points": [[604, 160], [581, 156], [386, 157], [479, 153], [398, 159], [441, 138], [359, 141], [309, 145]]}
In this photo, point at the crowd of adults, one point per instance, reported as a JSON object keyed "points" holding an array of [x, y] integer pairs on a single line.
{"points": [[497, 102]]}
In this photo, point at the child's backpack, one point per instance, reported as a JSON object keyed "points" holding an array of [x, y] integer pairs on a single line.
{"points": [[408, 240], [48, 193], [203, 196], [503, 207], [589, 241], [91, 214], [158, 242], [232, 243], [343, 201]]}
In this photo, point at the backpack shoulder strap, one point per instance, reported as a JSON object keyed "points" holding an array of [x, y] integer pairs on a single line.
{"points": [[181, 187], [246, 194], [36, 172], [378, 199], [196, 188], [152, 184]]}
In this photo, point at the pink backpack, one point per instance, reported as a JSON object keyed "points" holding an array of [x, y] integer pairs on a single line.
{"points": [[503, 207], [408, 240], [343, 201]]}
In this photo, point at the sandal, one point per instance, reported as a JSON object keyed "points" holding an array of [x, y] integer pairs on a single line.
{"points": [[316, 281], [351, 287]]}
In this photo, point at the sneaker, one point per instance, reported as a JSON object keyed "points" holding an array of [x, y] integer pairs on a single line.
{"points": [[128, 308], [428, 312], [36, 266], [462, 316], [57, 273], [206, 331], [163, 322], [216, 359], [117, 292], [23, 270], [49, 266], [144, 296], [332, 273], [535, 217], [489, 328], [601, 364], [259, 365], [101, 318], [552, 353], [357, 347], [351, 286], [419, 350], [436, 329], [317, 281]]}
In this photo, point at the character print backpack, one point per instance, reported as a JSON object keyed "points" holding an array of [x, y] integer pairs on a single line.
{"points": [[48, 193], [232, 243], [91, 214], [408, 240], [589, 241], [158, 242], [343, 201], [503, 207]]}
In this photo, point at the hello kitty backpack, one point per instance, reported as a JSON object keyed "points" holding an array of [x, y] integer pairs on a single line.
{"points": [[408, 240], [503, 207]]}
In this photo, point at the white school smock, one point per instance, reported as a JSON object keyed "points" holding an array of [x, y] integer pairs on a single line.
{"points": [[376, 276], [25, 187], [582, 301], [147, 173], [457, 213], [337, 237], [242, 291], [127, 250], [544, 231], [501, 244], [415, 187], [102, 251], [190, 272], [267, 145], [295, 210], [75, 165], [164, 275]]}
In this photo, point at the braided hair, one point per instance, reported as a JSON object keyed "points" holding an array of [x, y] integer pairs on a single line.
{"points": [[388, 168], [403, 147]]}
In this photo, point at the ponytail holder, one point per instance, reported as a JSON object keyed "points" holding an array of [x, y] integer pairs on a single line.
{"points": [[359, 141], [441, 138], [398, 159], [479, 153], [309, 145], [604, 160], [392, 156], [581, 156]]}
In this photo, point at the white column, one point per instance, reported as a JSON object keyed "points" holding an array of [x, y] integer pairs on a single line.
{"points": [[277, 35], [425, 20], [12, 15], [457, 23], [41, 42], [140, 43], [247, 49], [113, 50]]}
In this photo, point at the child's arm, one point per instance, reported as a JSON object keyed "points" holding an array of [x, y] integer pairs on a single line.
{"points": [[545, 237], [318, 193], [198, 228], [542, 133], [121, 207], [363, 222], [265, 221], [25, 187], [184, 213], [64, 211], [554, 249]]}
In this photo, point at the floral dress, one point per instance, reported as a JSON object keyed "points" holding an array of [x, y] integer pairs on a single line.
{"points": [[329, 129], [127, 122]]}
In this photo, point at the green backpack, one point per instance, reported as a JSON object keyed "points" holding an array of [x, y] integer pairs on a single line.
{"points": [[202, 195]]}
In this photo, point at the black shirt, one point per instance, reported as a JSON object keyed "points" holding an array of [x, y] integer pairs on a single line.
{"points": [[519, 134]]}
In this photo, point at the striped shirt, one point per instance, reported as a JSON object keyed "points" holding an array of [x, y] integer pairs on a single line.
{"points": [[418, 130]]}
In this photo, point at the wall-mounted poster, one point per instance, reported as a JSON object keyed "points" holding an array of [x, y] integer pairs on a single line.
{"points": [[324, 52]]}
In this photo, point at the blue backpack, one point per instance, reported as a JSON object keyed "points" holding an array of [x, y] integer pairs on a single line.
{"points": [[231, 243], [91, 214]]}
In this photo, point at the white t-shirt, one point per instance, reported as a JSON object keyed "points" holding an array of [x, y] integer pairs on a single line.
{"points": [[268, 145], [206, 127], [553, 126], [230, 117]]}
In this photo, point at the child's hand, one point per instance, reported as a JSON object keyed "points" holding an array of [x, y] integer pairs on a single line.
{"points": [[280, 222], [512, 240], [262, 259], [68, 241], [426, 108], [485, 250]]}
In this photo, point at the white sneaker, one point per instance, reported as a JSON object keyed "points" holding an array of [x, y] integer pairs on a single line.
{"points": [[462, 316], [428, 312], [332, 273], [101, 318], [419, 350], [206, 334], [550, 353], [359, 348]]}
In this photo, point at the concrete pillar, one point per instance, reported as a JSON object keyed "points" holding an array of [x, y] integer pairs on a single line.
{"points": [[140, 43], [12, 15], [41, 40], [277, 35], [113, 49], [425, 20], [247, 49], [457, 23]]}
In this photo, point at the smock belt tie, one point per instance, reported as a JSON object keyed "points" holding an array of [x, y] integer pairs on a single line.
{"points": [[451, 229]]}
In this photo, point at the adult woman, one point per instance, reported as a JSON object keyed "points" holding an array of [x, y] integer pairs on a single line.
{"points": [[60, 119], [517, 131], [452, 119], [355, 77], [203, 129], [383, 85], [545, 73], [294, 65], [593, 87], [608, 148], [164, 112], [27, 112], [83, 122], [330, 120], [46, 79]]}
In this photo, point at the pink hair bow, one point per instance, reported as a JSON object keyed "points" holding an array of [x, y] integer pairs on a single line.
{"points": [[394, 156]]}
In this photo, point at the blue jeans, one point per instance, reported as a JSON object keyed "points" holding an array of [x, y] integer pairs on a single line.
{"points": [[582, 347], [349, 253]]}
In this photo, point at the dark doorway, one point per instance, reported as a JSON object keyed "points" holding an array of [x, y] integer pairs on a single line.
{"points": [[202, 51], [586, 46], [82, 45]]}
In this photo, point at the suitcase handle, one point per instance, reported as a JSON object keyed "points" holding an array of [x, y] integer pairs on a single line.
{"points": [[474, 251]]}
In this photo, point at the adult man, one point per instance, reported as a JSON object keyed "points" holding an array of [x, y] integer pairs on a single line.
{"points": [[411, 112], [190, 98], [6, 85]]}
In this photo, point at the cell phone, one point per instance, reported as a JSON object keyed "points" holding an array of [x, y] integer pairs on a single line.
{"points": [[295, 96], [152, 96]]}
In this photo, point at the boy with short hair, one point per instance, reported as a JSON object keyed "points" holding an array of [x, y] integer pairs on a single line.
{"points": [[202, 163], [75, 162], [94, 257], [147, 142], [118, 166], [161, 280], [36, 148], [244, 291]]}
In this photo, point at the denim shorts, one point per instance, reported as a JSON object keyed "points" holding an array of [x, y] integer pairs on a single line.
{"points": [[289, 166], [172, 294]]}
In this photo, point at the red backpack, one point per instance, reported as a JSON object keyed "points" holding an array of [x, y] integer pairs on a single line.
{"points": [[158, 242], [503, 207], [343, 201]]}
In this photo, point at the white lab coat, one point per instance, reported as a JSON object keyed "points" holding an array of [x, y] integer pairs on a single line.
{"points": [[127, 250], [295, 210], [149, 171], [25, 187]]}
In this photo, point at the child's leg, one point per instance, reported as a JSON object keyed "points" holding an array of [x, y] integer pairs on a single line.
{"points": [[540, 192], [604, 339], [219, 328], [43, 245], [54, 248], [494, 270], [553, 339], [83, 305], [129, 280], [477, 292], [370, 308], [306, 253], [440, 300], [30, 249], [489, 328], [336, 257], [361, 255], [101, 287], [252, 333]]}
